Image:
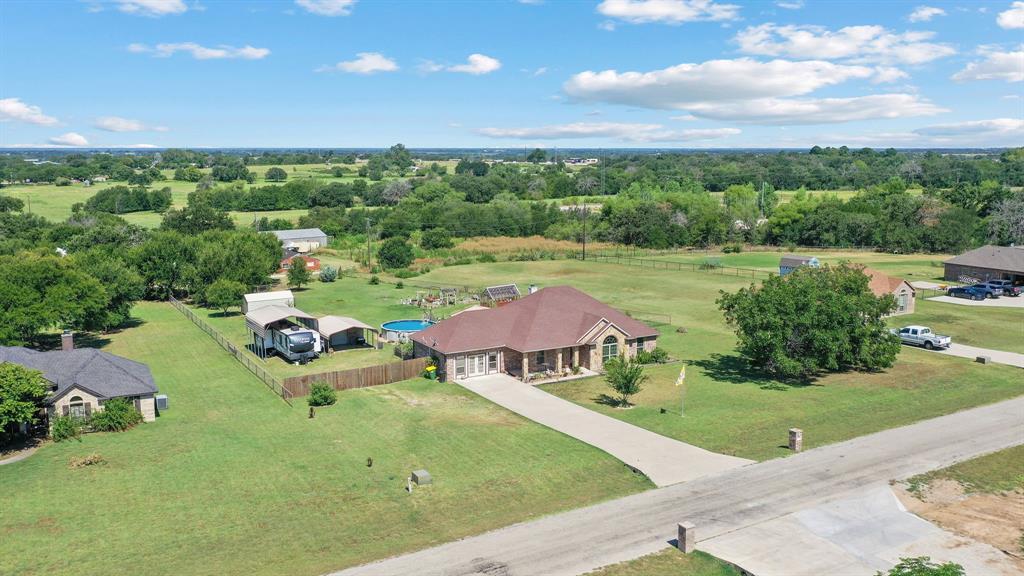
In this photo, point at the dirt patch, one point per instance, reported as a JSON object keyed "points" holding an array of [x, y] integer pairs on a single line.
{"points": [[995, 519]]}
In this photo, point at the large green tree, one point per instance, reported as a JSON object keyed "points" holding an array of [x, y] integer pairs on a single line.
{"points": [[298, 274], [276, 174], [224, 294], [22, 392], [812, 321], [395, 253]]}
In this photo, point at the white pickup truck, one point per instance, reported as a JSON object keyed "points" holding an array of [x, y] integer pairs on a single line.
{"points": [[922, 336]]}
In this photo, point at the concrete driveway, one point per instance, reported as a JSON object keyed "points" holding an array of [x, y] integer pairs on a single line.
{"points": [[972, 352], [664, 460], [1002, 302]]}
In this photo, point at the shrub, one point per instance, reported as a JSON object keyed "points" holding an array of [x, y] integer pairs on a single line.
{"points": [[66, 428], [395, 253], [328, 274], [321, 394], [374, 280], [404, 350], [399, 285], [732, 248], [710, 264], [625, 377], [405, 273], [457, 261], [436, 238], [659, 355], [117, 415], [486, 258], [62, 181]]}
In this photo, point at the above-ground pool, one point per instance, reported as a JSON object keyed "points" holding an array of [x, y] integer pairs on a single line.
{"points": [[399, 330]]}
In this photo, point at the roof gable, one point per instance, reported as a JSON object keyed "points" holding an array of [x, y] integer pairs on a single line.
{"points": [[1009, 258], [101, 373]]}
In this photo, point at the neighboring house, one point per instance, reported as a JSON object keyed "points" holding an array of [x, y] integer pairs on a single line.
{"points": [[82, 380], [288, 255], [882, 284], [790, 262], [302, 240], [987, 263], [258, 300], [550, 330]]}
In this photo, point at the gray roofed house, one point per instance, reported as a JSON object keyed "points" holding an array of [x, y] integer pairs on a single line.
{"points": [[302, 240], [84, 378], [987, 263]]}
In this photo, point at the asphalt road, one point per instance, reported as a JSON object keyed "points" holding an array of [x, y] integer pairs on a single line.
{"points": [[587, 538]]}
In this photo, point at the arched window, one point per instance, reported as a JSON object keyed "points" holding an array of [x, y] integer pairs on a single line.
{"points": [[76, 407], [609, 348]]}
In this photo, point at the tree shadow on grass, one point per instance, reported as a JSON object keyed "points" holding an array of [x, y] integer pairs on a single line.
{"points": [[607, 400], [736, 369]]}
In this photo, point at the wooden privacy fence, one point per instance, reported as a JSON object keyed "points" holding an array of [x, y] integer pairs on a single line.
{"points": [[359, 377], [669, 265], [239, 354]]}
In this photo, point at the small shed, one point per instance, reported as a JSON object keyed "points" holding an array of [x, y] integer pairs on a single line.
{"points": [[258, 300], [790, 262], [340, 332]]}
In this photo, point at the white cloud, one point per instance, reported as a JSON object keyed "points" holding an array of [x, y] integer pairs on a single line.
{"points": [[925, 13], [153, 8], [887, 74], [118, 124], [628, 132], [365, 63], [429, 66], [69, 139], [477, 64], [790, 4], [667, 11], [858, 44], [200, 52], [683, 118], [785, 111], [1012, 19], [540, 71], [996, 65], [607, 26], [740, 79], [15, 109], [327, 7], [988, 128]]}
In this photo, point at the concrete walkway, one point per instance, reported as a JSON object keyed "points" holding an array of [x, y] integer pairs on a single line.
{"points": [[21, 455], [1002, 302], [861, 534], [972, 352], [664, 460], [585, 539]]}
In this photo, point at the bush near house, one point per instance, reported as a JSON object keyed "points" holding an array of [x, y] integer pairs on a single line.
{"points": [[118, 414], [65, 428], [328, 273]]}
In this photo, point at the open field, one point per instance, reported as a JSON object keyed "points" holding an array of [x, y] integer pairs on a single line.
{"points": [[995, 328], [730, 407], [670, 562], [230, 480], [994, 473]]}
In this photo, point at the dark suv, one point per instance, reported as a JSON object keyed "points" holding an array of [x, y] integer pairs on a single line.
{"points": [[1005, 285], [988, 291], [970, 292]]}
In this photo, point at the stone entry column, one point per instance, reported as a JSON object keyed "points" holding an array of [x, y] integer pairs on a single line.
{"points": [[575, 355], [558, 361], [526, 368]]}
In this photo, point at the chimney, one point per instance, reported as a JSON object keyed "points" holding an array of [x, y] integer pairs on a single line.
{"points": [[67, 341]]}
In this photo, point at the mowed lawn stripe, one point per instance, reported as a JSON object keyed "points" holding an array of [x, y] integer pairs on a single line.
{"points": [[231, 480]]}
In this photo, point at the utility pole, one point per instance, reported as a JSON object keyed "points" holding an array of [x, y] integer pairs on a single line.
{"points": [[369, 263], [585, 212]]}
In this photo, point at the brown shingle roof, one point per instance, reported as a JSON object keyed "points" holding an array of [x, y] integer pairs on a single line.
{"points": [[881, 283], [1007, 258], [553, 317]]}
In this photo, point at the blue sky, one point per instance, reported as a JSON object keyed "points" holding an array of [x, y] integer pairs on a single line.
{"points": [[611, 73]]}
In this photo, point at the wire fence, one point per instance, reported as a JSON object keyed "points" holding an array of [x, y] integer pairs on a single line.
{"points": [[239, 353], [709, 267]]}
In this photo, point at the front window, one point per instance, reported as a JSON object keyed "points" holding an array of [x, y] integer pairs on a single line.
{"points": [[540, 358], [460, 366], [609, 348], [492, 362], [76, 407]]}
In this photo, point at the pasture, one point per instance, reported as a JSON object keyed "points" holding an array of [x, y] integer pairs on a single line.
{"points": [[231, 480]]}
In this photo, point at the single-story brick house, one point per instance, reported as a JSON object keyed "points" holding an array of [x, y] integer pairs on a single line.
{"points": [[790, 262], [83, 379], [882, 284], [550, 330], [288, 257], [987, 263]]}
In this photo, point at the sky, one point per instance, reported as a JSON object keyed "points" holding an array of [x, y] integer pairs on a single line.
{"points": [[508, 73]]}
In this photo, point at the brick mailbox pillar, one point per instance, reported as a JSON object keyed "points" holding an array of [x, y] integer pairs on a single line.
{"points": [[796, 439], [687, 541]]}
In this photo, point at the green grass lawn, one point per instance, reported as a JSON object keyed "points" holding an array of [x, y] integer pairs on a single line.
{"points": [[996, 328], [670, 562], [994, 473], [230, 480], [731, 408]]}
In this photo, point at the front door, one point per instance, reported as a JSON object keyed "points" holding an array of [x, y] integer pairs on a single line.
{"points": [[476, 365]]}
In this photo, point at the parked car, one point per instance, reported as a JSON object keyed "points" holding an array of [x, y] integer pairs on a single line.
{"points": [[969, 292], [922, 336], [989, 291], [1007, 287]]}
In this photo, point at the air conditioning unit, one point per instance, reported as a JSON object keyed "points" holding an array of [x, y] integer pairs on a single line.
{"points": [[161, 401]]}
